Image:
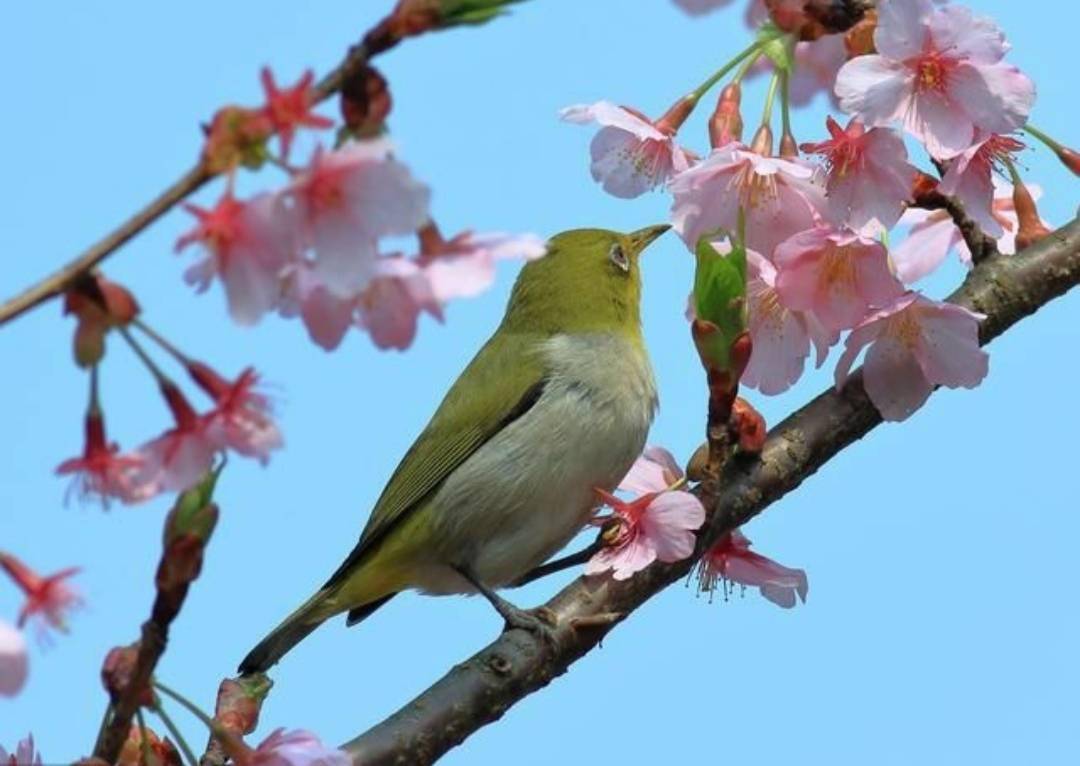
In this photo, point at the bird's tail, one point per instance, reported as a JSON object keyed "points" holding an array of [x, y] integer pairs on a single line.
{"points": [[296, 628], [285, 636]]}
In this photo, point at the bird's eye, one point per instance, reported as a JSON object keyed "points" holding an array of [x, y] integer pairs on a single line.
{"points": [[618, 256]]}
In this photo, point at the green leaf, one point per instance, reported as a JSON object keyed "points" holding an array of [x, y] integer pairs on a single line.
{"points": [[455, 12], [719, 299]]}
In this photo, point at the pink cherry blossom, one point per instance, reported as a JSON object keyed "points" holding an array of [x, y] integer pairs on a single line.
{"points": [[655, 471], [933, 235], [732, 561], [347, 199], [14, 664], [290, 108], [464, 266], [780, 336], [390, 307], [48, 598], [659, 524], [247, 244], [292, 748], [630, 155], [24, 754], [970, 178], [100, 471], [915, 344], [182, 455], [940, 72], [777, 196], [240, 419], [326, 316], [837, 276], [868, 176]]}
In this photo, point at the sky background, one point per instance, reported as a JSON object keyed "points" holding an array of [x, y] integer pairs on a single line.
{"points": [[941, 624]]}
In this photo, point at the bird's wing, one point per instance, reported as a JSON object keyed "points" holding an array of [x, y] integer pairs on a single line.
{"points": [[510, 372]]}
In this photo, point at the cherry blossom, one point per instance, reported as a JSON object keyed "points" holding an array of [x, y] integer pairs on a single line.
{"points": [[940, 72], [240, 419], [247, 244], [780, 336], [24, 754], [631, 154], [390, 307], [290, 108], [777, 196], [180, 457], [48, 598], [659, 524], [835, 275], [915, 344], [933, 235], [326, 316], [347, 199], [868, 176], [464, 266], [288, 748], [970, 178], [101, 471], [732, 561], [14, 664]]}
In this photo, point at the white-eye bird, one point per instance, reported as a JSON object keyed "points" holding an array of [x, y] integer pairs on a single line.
{"points": [[556, 405]]}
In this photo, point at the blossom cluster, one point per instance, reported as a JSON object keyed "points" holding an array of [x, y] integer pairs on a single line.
{"points": [[816, 220], [315, 248], [659, 524]]}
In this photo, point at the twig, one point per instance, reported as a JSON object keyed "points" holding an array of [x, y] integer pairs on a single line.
{"points": [[980, 245], [129, 670], [481, 689], [380, 38]]}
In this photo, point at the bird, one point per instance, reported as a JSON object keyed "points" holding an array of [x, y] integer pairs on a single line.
{"points": [[555, 406]]}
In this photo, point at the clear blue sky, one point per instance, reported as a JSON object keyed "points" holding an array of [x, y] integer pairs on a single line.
{"points": [[941, 624]]}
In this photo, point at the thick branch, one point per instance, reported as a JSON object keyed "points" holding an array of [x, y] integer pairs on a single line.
{"points": [[481, 689]]}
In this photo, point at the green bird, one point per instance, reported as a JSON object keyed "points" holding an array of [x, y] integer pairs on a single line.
{"points": [[556, 405]]}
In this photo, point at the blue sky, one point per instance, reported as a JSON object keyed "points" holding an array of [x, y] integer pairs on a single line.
{"points": [[940, 626]]}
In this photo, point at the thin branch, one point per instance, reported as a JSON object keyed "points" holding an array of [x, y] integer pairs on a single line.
{"points": [[380, 38], [980, 245], [481, 689], [128, 670]]}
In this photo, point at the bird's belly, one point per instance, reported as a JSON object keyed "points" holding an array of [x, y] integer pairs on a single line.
{"points": [[530, 489]]}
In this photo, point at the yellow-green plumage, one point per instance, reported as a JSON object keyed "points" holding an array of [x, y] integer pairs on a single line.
{"points": [[557, 403]]}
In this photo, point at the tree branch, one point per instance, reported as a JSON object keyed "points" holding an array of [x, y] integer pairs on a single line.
{"points": [[979, 245], [128, 670], [479, 690], [378, 39]]}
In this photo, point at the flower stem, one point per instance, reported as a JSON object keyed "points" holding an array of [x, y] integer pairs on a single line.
{"points": [[190, 706], [185, 748], [144, 742], [755, 48], [140, 352], [785, 102], [1040, 135], [159, 339], [770, 97], [94, 407]]}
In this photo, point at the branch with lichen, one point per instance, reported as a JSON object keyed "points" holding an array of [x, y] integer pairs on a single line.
{"points": [[481, 689]]}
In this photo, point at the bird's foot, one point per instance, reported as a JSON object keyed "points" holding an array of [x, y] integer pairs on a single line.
{"points": [[540, 621]]}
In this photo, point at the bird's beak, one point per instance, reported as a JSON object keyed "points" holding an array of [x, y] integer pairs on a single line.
{"points": [[642, 238]]}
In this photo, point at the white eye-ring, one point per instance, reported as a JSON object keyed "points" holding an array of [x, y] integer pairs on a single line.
{"points": [[618, 257]]}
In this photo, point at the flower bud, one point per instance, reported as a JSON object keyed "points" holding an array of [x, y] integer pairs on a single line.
{"points": [[725, 124]]}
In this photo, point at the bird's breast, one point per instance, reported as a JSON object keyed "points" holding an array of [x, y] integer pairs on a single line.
{"points": [[524, 494]]}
